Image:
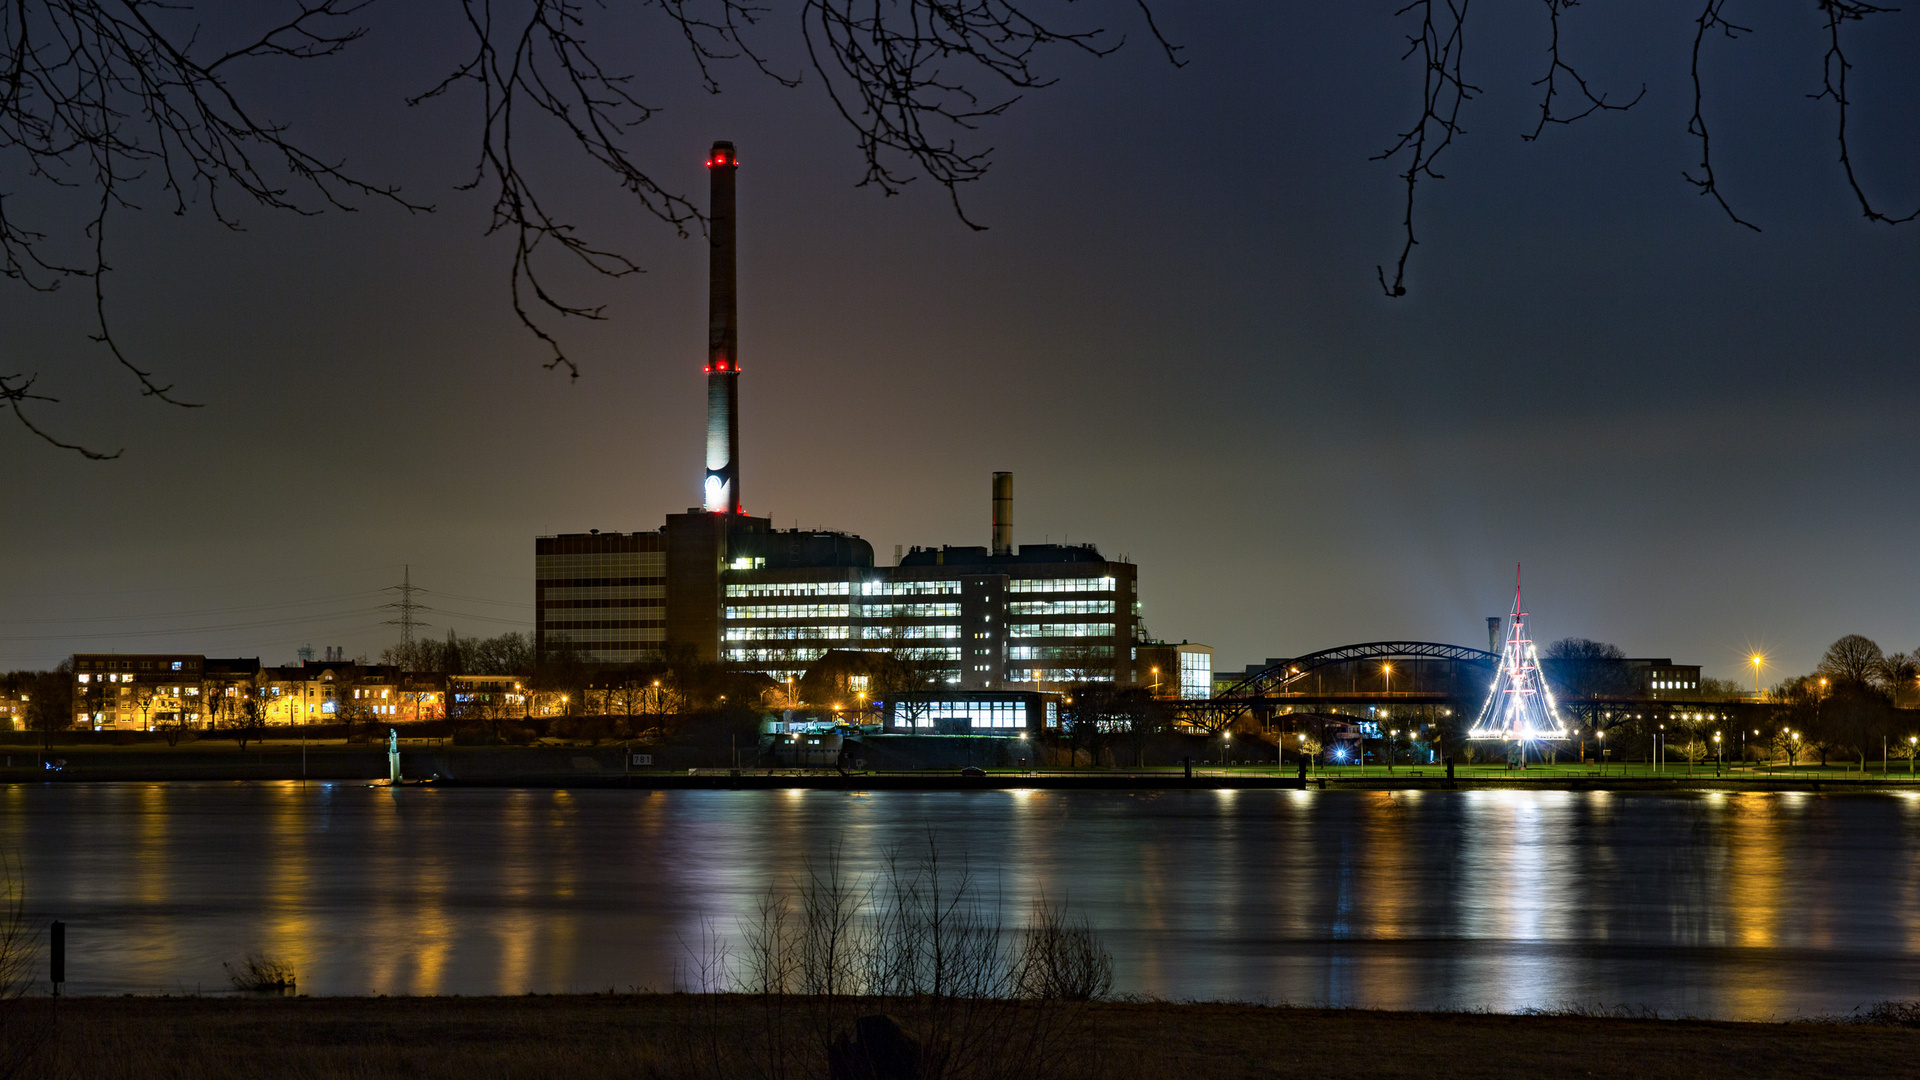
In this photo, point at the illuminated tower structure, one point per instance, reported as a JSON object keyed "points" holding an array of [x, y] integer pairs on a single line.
{"points": [[723, 586], [1519, 706], [722, 488]]}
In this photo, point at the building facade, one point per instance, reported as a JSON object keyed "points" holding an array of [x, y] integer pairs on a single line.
{"points": [[604, 595], [143, 691], [1174, 671]]}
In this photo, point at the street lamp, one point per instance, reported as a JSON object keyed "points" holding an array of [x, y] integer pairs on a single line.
{"points": [[1913, 746], [1717, 756], [1386, 672], [1756, 660]]}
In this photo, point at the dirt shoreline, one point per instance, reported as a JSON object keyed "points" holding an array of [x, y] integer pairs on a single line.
{"points": [[585, 1037]]}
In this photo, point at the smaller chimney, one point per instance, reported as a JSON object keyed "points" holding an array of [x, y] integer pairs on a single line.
{"points": [[1003, 513], [1493, 633]]}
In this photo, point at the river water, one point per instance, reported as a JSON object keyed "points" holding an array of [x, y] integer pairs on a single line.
{"points": [[1710, 904]]}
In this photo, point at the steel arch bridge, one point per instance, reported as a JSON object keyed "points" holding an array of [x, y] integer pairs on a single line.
{"points": [[1224, 708]]}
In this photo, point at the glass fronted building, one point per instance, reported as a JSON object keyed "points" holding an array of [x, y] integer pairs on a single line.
{"points": [[1002, 712]]}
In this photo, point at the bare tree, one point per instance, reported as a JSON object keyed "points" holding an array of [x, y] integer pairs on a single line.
{"points": [[1898, 672], [1853, 660], [26, 1020]]}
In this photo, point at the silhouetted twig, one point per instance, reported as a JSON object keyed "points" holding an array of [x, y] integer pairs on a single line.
{"points": [[1709, 184], [1833, 70], [1441, 47], [1556, 67]]}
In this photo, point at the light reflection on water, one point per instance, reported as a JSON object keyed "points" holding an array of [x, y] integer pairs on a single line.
{"points": [[1716, 904]]}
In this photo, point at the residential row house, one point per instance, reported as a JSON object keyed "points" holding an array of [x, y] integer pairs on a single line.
{"points": [[143, 692]]}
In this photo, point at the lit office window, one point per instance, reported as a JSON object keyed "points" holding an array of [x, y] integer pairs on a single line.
{"points": [[1060, 652], [1046, 585], [1062, 607], [788, 655], [789, 611], [934, 630], [791, 588], [788, 633], [993, 714], [1039, 630], [1196, 675], [1058, 675], [909, 588], [910, 611]]}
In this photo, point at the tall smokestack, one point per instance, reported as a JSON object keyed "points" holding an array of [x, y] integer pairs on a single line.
{"points": [[722, 492], [1003, 513], [1493, 633]]}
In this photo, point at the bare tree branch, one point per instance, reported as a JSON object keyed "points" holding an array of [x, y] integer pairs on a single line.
{"points": [[98, 96], [1441, 47], [1834, 67], [1555, 66], [890, 71], [16, 390], [1709, 184]]}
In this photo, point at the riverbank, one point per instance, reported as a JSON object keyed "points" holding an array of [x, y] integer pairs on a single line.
{"points": [[620, 766], [639, 1036]]}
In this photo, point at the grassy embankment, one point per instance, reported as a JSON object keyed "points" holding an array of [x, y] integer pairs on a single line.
{"points": [[590, 1037]]}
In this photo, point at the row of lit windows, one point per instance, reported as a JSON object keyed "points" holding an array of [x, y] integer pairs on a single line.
{"points": [[804, 655], [1062, 607], [163, 691], [1061, 652], [929, 652], [909, 588], [791, 588], [1072, 629], [933, 630], [1003, 714], [1077, 584], [1674, 686], [789, 611], [910, 611], [1057, 675], [787, 633]]}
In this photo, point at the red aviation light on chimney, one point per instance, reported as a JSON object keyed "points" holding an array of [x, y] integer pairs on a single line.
{"points": [[723, 157]]}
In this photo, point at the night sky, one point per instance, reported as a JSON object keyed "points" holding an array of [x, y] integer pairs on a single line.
{"points": [[1697, 438]]}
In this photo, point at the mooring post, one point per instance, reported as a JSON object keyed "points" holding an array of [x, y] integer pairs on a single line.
{"points": [[58, 951], [393, 757]]}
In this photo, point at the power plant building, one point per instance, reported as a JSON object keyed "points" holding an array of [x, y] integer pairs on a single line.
{"points": [[730, 587]]}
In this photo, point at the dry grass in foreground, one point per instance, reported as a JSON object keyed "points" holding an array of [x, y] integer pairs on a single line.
{"points": [[640, 1036]]}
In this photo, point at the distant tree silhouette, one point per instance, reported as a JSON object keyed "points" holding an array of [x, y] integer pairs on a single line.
{"points": [[1853, 660], [1586, 673], [1897, 674]]}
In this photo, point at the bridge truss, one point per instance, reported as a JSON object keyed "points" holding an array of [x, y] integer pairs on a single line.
{"points": [[1274, 683]]}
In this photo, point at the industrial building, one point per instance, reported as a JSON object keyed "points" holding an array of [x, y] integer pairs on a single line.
{"points": [[730, 587]]}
